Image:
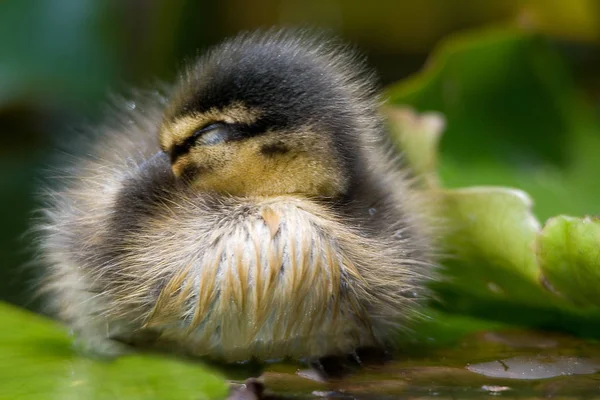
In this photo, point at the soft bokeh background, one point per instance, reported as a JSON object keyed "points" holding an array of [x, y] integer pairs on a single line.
{"points": [[60, 58]]}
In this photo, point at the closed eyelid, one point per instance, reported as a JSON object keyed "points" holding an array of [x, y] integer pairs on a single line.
{"points": [[184, 147], [177, 128], [212, 135], [208, 127]]}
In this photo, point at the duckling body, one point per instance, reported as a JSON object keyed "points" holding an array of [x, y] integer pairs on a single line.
{"points": [[256, 212]]}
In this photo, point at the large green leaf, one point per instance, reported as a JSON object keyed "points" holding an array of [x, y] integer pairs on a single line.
{"points": [[38, 361], [490, 232]]}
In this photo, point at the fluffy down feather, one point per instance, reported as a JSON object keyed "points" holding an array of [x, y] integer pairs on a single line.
{"points": [[133, 254]]}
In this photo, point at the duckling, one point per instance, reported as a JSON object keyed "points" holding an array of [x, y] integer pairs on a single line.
{"points": [[257, 211]]}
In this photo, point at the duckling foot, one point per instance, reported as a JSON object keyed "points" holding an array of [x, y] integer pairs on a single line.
{"points": [[366, 356], [337, 367], [334, 367]]}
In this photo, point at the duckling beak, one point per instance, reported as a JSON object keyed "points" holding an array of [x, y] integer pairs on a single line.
{"points": [[178, 168]]}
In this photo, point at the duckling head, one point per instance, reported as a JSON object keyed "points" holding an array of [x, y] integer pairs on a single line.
{"points": [[270, 114]]}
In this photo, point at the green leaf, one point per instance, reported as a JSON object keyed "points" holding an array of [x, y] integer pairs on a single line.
{"points": [[490, 236], [514, 118], [568, 250], [490, 232], [474, 80], [38, 361]]}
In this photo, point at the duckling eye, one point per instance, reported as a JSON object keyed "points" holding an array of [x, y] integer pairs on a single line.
{"points": [[209, 135]]}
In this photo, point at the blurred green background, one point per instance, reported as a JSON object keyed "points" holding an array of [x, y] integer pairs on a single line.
{"points": [[523, 115]]}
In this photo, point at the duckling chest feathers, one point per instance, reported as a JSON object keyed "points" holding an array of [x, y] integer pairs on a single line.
{"points": [[266, 282]]}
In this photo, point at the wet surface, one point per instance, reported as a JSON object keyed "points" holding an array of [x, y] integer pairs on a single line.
{"points": [[536, 367], [507, 365]]}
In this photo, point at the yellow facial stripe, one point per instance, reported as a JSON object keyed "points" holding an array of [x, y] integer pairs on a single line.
{"points": [[179, 166], [173, 133]]}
